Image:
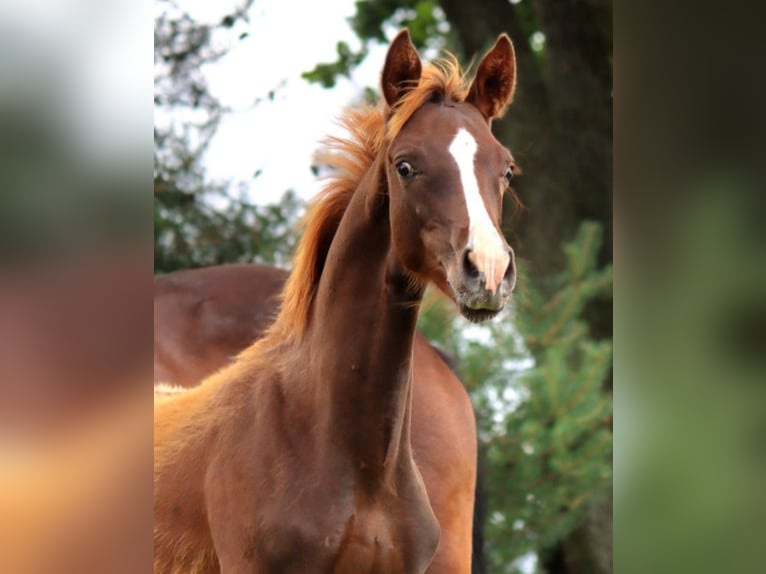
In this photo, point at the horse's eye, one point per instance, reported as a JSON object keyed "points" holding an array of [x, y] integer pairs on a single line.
{"points": [[508, 175], [405, 169]]}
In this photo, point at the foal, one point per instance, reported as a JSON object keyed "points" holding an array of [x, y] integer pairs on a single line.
{"points": [[297, 458]]}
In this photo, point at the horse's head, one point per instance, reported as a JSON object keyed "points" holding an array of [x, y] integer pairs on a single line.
{"points": [[447, 175]]}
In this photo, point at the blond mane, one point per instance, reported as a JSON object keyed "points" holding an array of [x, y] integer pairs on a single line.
{"points": [[369, 129]]}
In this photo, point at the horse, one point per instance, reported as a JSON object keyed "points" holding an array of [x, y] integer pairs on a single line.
{"points": [[298, 456], [204, 317]]}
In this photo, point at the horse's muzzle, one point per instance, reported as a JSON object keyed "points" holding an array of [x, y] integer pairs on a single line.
{"points": [[477, 302]]}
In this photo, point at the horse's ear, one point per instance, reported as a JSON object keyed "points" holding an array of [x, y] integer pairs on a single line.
{"points": [[492, 89], [402, 69]]}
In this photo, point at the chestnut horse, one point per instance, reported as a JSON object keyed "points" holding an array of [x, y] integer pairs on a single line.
{"points": [[297, 457], [204, 317]]}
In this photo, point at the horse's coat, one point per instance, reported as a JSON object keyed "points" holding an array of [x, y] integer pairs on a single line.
{"points": [[205, 317], [298, 457]]}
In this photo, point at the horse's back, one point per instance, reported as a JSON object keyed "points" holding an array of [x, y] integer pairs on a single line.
{"points": [[204, 317]]}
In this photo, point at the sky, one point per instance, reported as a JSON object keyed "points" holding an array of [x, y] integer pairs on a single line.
{"points": [[278, 138]]}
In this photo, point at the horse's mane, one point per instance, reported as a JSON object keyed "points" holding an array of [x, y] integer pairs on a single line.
{"points": [[369, 129]]}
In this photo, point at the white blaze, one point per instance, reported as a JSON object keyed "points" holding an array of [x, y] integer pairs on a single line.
{"points": [[488, 251]]}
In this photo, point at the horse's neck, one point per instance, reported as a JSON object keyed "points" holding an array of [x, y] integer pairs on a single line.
{"points": [[362, 335]]}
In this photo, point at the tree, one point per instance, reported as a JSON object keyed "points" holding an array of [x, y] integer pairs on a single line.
{"points": [[190, 232], [198, 222]]}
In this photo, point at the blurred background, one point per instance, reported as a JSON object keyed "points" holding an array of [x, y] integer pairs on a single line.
{"points": [[75, 287]]}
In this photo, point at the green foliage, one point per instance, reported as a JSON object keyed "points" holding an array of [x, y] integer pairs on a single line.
{"points": [[528, 19], [538, 385], [421, 17], [326, 74], [190, 232], [424, 19]]}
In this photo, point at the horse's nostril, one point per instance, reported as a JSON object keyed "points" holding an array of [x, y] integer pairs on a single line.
{"points": [[470, 269], [511, 269]]}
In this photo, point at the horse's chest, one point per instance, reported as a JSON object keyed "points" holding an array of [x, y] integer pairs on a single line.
{"points": [[375, 542], [364, 541]]}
